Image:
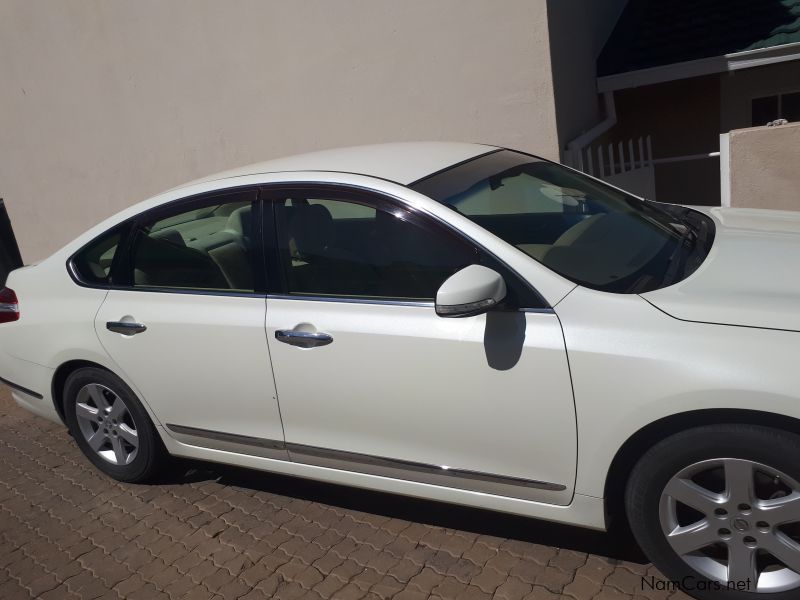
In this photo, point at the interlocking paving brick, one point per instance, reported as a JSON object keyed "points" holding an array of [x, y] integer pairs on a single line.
{"points": [[488, 580], [68, 532], [513, 589], [582, 587]]}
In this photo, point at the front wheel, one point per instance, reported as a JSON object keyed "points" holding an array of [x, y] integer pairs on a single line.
{"points": [[717, 510], [111, 426]]}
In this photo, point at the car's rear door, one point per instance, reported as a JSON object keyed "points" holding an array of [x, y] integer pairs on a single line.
{"points": [[370, 379], [184, 321]]}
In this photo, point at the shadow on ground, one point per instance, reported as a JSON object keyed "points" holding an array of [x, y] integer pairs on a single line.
{"points": [[616, 545]]}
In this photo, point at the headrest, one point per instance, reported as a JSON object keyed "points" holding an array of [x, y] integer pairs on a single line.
{"points": [[239, 221], [170, 235], [311, 228]]}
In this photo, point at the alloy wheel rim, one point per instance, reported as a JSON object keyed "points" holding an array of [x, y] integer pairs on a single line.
{"points": [[106, 424], [734, 520]]}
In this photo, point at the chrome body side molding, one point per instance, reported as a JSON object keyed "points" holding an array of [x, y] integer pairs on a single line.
{"points": [[442, 475], [19, 388], [229, 442]]}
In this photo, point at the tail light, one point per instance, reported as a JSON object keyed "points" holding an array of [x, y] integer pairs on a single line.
{"points": [[9, 306]]}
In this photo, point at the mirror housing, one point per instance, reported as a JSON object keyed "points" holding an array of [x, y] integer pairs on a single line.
{"points": [[471, 291]]}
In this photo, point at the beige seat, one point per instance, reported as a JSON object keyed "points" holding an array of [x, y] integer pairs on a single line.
{"points": [[569, 237], [161, 262]]}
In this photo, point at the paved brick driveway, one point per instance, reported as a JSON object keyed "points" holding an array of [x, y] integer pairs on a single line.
{"points": [[212, 532]]}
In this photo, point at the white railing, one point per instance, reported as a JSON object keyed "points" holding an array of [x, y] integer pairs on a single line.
{"points": [[604, 161], [628, 165]]}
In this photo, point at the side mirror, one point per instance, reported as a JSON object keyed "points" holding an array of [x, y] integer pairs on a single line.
{"points": [[471, 291]]}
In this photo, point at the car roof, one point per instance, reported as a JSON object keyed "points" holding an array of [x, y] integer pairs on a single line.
{"points": [[403, 163]]}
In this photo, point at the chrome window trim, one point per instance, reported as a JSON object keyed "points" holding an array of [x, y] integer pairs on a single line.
{"points": [[384, 302], [441, 475], [188, 291], [73, 273], [342, 300]]}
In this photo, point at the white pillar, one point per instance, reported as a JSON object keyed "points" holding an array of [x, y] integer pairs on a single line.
{"points": [[725, 168]]}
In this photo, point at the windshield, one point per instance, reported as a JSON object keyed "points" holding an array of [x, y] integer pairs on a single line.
{"points": [[589, 232]]}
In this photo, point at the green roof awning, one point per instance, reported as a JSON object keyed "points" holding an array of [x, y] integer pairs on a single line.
{"points": [[653, 33]]}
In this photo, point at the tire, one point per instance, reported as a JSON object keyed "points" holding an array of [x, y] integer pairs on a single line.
{"points": [[721, 460], [119, 439]]}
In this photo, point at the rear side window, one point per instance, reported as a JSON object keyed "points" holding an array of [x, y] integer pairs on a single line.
{"points": [[92, 265], [205, 248]]}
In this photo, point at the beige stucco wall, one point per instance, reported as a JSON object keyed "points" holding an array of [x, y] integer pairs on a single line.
{"points": [[105, 103], [764, 165]]}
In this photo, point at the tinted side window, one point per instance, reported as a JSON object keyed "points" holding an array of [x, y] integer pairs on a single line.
{"points": [[333, 247], [209, 247], [93, 263]]}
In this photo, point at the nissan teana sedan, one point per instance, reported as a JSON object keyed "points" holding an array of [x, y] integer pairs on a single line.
{"points": [[457, 322]]}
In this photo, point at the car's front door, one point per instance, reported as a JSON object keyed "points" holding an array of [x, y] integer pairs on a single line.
{"points": [[370, 379], [184, 321]]}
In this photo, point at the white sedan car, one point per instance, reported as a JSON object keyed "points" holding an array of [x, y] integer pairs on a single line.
{"points": [[614, 357]]}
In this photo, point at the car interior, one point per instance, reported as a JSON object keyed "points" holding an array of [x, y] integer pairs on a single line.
{"points": [[344, 248], [335, 247], [94, 263], [211, 250], [564, 228], [329, 247]]}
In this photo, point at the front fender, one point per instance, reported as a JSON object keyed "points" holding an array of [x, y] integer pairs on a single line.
{"points": [[633, 365]]}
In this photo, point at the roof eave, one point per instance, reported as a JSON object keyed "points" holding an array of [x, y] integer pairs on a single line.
{"points": [[697, 68]]}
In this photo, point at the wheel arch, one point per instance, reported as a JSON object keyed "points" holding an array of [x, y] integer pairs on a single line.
{"points": [[60, 378], [649, 435]]}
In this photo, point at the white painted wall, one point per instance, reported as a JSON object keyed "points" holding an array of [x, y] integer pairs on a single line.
{"points": [[105, 103]]}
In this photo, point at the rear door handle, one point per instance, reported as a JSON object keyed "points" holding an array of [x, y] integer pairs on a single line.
{"points": [[303, 339], [125, 328]]}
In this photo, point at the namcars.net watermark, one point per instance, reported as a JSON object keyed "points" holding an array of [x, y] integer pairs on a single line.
{"points": [[690, 584]]}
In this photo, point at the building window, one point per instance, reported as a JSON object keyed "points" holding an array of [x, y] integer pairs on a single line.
{"points": [[780, 106]]}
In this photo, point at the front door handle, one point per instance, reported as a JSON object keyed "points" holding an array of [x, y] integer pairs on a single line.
{"points": [[125, 328], [303, 339]]}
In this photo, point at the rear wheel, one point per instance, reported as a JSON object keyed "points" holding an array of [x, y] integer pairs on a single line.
{"points": [[717, 510], [111, 427]]}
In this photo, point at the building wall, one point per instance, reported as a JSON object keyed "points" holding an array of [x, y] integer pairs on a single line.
{"points": [[739, 88], [764, 167], [105, 103], [685, 117], [682, 118], [578, 31]]}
